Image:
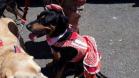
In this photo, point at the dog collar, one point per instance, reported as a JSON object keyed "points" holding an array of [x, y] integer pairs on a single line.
{"points": [[17, 49], [1, 43], [52, 41]]}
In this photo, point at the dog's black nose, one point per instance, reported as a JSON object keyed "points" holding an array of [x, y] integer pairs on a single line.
{"points": [[29, 27]]}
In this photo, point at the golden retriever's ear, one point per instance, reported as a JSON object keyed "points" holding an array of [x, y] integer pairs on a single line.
{"points": [[13, 28]]}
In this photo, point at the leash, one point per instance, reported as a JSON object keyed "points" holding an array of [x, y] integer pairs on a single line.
{"points": [[22, 23]]}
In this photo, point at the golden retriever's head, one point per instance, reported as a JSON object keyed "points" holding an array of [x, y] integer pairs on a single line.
{"points": [[20, 65], [8, 25], [15, 65], [49, 23]]}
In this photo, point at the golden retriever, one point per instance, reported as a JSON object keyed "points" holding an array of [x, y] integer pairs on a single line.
{"points": [[14, 61]]}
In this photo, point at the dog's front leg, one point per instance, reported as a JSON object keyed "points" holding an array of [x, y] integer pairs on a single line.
{"points": [[56, 56], [60, 69], [59, 73], [100, 75]]}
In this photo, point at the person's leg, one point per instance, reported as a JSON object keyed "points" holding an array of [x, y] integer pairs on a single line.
{"points": [[2, 7], [1, 11], [70, 10], [74, 21]]}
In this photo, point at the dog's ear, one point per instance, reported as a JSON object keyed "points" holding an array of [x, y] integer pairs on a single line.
{"points": [[42, 14], [46, 17], [13, 28], [61, 23], [63, 20]]}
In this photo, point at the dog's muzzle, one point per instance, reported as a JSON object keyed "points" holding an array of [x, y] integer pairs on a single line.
{"points": [[29, 26]]}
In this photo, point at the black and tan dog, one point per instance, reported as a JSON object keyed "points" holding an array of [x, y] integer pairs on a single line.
{"points": [[14, 61], [69, 47]]}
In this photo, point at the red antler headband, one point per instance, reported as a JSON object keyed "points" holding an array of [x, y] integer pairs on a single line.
{"points": [[54, 7]]}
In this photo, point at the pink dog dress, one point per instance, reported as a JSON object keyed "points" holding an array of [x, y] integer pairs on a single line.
{"points": [[87, 50]]}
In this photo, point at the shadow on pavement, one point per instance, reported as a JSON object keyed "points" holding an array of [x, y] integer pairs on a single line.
{"points": [[114, 2], [71, 69], [40, 50], [111, 1], [33, 3], [136, 5], [39, 3]]}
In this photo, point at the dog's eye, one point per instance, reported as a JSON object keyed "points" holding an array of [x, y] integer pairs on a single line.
{"points": [[43, 21], [38, 17], [41, 16]]}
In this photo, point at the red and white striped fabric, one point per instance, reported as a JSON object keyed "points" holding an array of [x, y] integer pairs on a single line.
{"points": [[87, 49]]}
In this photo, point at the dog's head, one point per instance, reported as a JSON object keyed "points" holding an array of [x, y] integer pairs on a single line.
{"points": [[20, 65], [49, 23]]}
